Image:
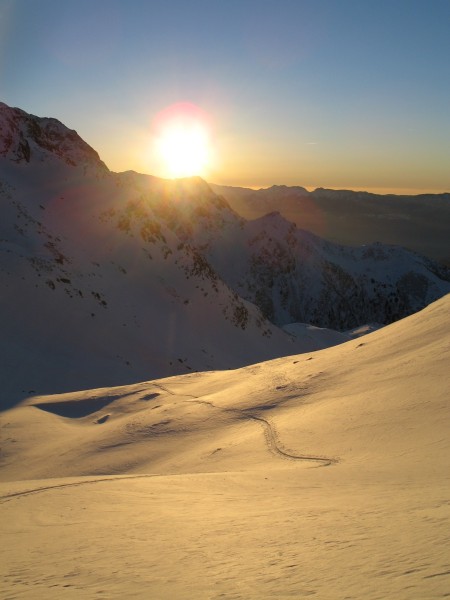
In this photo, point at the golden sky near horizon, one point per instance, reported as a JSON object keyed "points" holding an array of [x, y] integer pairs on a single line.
{"points": [[342, 95]]}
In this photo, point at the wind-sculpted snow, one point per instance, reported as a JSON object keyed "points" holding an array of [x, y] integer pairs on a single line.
{"points": [[211, 485]]}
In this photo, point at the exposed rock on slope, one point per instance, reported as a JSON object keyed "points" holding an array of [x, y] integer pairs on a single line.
{"points": [[25, 137]]}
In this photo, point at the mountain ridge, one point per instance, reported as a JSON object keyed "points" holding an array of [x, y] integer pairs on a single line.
{"points": [[26, 137], [111, 278], [419, 223]]}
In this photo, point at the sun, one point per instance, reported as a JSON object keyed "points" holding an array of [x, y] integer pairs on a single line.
{"points": [[182, 141], [184, 149]]}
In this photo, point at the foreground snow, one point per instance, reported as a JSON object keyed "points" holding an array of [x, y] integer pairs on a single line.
{"points": [[322, 474], [289, 533]]}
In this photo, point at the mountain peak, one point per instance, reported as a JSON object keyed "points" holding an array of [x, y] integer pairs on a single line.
{"points": [[281, 191], [25, 137]]}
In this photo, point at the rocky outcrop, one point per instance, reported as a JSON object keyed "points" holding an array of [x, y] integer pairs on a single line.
{"points": [[24, 137]]}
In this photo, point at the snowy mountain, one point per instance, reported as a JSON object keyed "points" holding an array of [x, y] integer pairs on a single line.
{"points": [[419, 223], [111, 278], [27, 138]]}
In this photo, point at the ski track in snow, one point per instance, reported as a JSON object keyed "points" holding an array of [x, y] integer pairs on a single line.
{"points": [[270, 434], [274, 445], [8, 497]]}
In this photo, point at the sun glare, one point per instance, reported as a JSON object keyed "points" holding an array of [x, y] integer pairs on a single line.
{"points": [[182, 142]]}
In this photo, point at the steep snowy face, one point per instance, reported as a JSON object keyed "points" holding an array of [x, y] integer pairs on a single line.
{"points": [[295, 276], [25, 138]]}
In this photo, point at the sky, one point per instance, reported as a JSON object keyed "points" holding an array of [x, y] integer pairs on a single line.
{"points": [[343, 94]]}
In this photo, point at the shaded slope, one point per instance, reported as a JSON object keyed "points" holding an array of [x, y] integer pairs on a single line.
{"points": [[377, 404], [419, 223]]}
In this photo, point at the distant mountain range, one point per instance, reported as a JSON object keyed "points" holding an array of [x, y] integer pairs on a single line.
{"points": [[420, 223], [109, 278]]}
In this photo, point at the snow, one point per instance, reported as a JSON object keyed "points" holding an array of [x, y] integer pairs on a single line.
{"points": [[323, 474], [25, 138], [149, 446], [321, 337]]}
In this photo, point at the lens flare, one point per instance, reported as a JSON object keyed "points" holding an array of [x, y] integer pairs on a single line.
{"points": [[182, 141]]}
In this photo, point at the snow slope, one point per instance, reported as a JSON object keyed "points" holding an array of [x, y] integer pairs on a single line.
{"points": [[322, 474]]}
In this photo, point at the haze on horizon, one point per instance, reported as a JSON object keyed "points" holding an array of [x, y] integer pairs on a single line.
{"points": [[342, 95]]}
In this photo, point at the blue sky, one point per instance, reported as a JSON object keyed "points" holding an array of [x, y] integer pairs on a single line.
{"points": [[340, 93]]}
